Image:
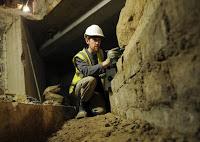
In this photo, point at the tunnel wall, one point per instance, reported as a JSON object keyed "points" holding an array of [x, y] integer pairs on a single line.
{"points": [[158, 76]]}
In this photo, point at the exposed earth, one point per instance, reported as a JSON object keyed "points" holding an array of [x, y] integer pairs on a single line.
{"points": [[110, 128]]}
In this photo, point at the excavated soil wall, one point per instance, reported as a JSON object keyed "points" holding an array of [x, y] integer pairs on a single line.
{"points": [[158, 77], [29, 123]]}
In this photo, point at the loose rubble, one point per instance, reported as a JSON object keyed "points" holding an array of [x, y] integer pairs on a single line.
{"points": [[111, 128]]}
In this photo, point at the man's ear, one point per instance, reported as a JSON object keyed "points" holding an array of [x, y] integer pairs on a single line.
{"points": [[87, 40]]}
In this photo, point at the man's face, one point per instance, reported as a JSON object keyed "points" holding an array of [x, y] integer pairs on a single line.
{"points": [[93, 43]]}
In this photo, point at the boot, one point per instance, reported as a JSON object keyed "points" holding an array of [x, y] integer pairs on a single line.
{"points": [[97, 111], [81, 113]]}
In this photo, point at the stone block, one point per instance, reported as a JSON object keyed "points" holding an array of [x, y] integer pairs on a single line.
{"points": [[159, 81], [130, 14]]}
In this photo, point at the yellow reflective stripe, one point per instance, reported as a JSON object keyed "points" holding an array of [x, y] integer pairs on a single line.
{"points": [[100, 56], [71, 89], [79, 56], [86, 57]]}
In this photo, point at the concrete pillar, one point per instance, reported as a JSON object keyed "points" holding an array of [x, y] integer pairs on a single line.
{"points": [[15, 81]]}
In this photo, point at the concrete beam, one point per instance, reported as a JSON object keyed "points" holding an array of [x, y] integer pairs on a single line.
{"points": [[101, 12]]}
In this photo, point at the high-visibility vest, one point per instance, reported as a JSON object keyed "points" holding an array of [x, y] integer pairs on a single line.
{"points": [[83, 56]]}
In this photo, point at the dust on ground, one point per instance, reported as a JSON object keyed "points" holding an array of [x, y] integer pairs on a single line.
{"points": [[110, 128]]}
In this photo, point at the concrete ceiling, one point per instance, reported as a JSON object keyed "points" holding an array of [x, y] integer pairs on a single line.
{"points": [[62, 29], [60, 17]]}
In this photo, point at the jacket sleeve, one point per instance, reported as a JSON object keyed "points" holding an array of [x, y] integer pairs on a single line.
{"points": [[88, 70]]}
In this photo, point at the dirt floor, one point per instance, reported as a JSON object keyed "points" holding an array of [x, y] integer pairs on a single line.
{"points": [[110, 128]]}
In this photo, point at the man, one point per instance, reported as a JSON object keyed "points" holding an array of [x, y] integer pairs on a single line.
{"points": [[90, 64]]}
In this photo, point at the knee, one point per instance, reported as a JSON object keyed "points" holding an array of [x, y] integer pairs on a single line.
{"points": [[92, 80]]}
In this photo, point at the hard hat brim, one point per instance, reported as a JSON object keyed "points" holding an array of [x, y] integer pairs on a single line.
{"points": [[94, 36]]}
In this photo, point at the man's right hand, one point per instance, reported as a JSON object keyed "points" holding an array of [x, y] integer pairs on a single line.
{"points": [[106, 63]]}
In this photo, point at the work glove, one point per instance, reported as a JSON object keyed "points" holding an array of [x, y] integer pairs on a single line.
{"points": [[114, 53]]}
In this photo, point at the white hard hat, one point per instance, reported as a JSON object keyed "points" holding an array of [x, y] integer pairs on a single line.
{"points": [[94, 30]]}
